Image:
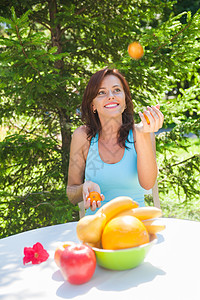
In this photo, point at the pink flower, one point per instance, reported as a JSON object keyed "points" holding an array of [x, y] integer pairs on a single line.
{"points": [[36, 255]]}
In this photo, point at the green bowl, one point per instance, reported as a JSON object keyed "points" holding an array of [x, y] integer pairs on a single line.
{"points": [[123, 259]]}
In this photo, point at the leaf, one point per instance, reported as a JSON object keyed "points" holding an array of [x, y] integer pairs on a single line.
{"points": [[52, 50], [189, 15]]}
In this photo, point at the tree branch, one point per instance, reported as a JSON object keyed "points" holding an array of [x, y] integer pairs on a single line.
{"points": [[185, 160], [23, 50], [42, 23], [161, 46], [76, 13]]}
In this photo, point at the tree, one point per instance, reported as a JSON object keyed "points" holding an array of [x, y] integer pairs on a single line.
{"points": [[49, 49]]}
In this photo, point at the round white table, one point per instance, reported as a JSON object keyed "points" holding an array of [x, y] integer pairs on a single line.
{"points": [[170, 271]]}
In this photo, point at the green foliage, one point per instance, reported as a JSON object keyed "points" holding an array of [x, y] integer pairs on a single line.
{"points": [[34, 210], [31, 185], [177, 173], [48, 51]]}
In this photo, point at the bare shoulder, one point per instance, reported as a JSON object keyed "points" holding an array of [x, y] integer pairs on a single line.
{"points": [[80, 142], [80, 134]]}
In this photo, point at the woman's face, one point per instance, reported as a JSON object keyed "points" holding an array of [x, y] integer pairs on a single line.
{"points": [[110, 100]]}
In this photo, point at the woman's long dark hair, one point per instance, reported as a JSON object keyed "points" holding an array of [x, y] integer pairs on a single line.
{"points": [[91, 119]]}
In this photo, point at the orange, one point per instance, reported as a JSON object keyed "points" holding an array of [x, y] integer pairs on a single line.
{"points": [[59, 250], [124, 232], [147, 119], [135, 50], [94, 196]]}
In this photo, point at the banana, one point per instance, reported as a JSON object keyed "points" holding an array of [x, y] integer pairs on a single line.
{"points": [[89, 228], [117, 205], [154, 225], [142, 213]]}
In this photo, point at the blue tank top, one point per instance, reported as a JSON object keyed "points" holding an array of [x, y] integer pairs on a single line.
{"points": [[119, 179]]}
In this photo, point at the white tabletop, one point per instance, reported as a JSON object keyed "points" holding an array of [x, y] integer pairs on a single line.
{"points": [[170, 271]]}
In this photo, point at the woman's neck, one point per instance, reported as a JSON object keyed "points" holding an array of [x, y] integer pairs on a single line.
{"points": [[110, 129]]}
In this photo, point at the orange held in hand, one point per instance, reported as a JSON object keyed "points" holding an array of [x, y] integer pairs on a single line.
{"points": [[124, 232], [94, 196], [147, 119], [135, 50]]}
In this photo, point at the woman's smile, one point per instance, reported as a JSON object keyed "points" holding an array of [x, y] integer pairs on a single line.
{"points": [[111, 105], [110, 97]]}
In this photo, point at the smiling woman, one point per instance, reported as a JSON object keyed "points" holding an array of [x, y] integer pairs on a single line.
{"points": [[110, 154], [96, 89], [110, 97]]}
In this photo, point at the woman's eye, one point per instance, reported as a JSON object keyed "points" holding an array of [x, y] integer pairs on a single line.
{"points": [[117, 90], [101, 93]]}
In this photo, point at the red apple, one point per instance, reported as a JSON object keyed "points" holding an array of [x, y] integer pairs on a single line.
{"points": [[77, 263], [60, 249]]}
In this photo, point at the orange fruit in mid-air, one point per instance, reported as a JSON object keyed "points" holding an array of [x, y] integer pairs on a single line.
{"points": [[59, 250], [135, 50], [94, 196], [124, 232]]}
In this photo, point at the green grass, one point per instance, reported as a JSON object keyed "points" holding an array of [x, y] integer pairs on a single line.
{"points": [[174, 205]]}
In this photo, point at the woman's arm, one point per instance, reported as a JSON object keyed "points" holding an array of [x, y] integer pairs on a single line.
{"points": [[146, 160], [77, 189], [145, 146], [79, 147]]}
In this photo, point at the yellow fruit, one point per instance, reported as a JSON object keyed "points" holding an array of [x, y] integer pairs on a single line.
{"points": [[89, 228], [117, 205], [124, 232], [153, 225], [95, 245], [143, 213]]}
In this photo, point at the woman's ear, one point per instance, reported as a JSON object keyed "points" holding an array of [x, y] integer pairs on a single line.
{"points": [[94, 108]]}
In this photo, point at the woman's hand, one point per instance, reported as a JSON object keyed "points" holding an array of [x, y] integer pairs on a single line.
{"points": [[155, 118], [88, 187]]}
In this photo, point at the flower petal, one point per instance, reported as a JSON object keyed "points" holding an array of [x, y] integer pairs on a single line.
{"points": [[29, 254], [38, 247], [36, 255]]}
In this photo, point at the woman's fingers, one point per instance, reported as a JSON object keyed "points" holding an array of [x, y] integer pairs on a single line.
{"points": [[85, 195], [158, 115], [93, 206], [87, 201], [88, 187], [142, 117], [102, 197], [152, 119]]}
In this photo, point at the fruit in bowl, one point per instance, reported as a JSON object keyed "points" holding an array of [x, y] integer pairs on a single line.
{"points": [[125, 243], [121, 233], [124, 232], [124, 259]]}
